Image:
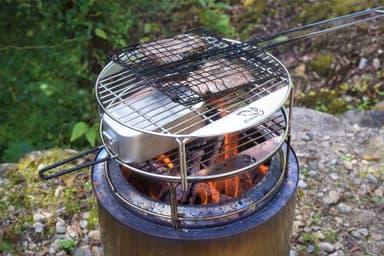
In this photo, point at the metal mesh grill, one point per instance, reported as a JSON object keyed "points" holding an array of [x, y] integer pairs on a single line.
{"points": [[204, 154], [194, 81], [197, 66]]}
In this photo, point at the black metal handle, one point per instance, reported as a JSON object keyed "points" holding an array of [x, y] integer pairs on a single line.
{"points": [[43, 175], [295, 34]]}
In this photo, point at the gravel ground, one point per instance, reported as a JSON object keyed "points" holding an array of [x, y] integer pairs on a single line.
{"points": [[340, 204]]}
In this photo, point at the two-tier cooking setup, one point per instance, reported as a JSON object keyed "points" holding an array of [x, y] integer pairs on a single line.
{"points": [[196, 154]]}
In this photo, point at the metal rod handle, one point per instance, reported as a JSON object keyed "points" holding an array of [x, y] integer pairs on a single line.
{"points": [[43, 171], [295, 34]]}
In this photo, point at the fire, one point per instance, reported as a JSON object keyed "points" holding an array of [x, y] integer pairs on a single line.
{"points": [[214, 192], [228, 187], [263, 169], [165, 160]]}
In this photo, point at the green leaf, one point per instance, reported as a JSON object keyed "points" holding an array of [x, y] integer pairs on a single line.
{"points": [[147, 28], [100, 33], [79, 130], [91, 134], [16, 150]]}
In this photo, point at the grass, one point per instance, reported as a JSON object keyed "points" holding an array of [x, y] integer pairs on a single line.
{"points": [[28, 194]]}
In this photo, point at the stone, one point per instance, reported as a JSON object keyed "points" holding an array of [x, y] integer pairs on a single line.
{"points": [[379, 192], [82, 251], [348, 165], [61, 253], [38, 226], [307, 137], [97, 251], [60, 227], [376, 63], [5, 168], [363, 231], [372, 179], [362, 63], [326, 247], [71, 232], [85, 215], [302, 184], [344, 208], [356, 234], [11, 208], [94, 235], [313, 173], [310, 248], [51, 251], [83, 224], [377, 237], [334, 176], [38, 217], [332, 198], [338, 253]]}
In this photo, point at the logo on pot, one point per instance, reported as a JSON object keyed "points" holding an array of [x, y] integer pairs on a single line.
{"points": [[250, 114]]}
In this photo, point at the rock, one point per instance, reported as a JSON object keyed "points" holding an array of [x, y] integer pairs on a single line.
{"points": [[338, 253], [313, 173], [82, 251], [362, 63], [344, 208], [85, 215], [310, 248], [97, 251], [38, 226], [71, 232], [292, 253], [11, 208], [61, 253], [38, 217], [5, 168], [364, 217], [307, 136], [51, 251], [302, 184], [372, 179], [369, 118], [356, 234], [348, 165], [379, 192], [363, 232], [376, 63], [94, 235], [334, 176], [326, 247], [377, 237], [60, 227], [83, 224], [332, 198]]}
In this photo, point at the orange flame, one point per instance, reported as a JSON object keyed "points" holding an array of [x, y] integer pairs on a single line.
{"points": [[165, 160], [263, 169], [215, 191]]}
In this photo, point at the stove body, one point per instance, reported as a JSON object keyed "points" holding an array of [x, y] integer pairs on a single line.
{"points": [[265, 232]]}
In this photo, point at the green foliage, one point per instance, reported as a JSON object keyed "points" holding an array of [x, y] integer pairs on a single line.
{"points": [[317, 10], [67, 245], [51, 53], [5, 247], [82, 129], [322, 64]]}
